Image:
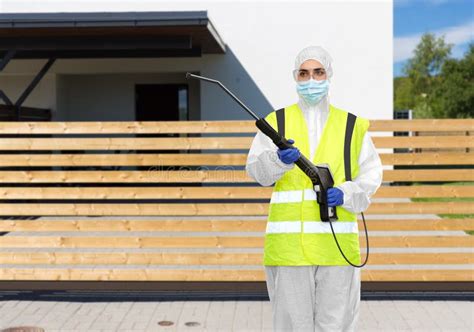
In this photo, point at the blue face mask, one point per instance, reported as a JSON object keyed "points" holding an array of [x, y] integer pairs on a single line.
{"points": [[312, 91]]}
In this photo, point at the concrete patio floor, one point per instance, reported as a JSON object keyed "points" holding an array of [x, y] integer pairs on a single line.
{"points": [[387, 315]]}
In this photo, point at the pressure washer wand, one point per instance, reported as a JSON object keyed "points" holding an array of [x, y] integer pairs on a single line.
{"points": [[320, 175]]}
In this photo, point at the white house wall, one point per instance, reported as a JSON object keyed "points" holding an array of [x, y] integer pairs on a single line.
{"points": [[262, 40]]}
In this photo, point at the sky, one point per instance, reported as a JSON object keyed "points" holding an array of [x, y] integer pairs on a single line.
{"points": [[452, 18]]}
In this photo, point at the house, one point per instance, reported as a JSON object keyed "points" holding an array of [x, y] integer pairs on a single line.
{"points": [[127, 62]]}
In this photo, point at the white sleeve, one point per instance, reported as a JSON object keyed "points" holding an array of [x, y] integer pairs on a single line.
{"points": [[357, 193], [263, 164]]}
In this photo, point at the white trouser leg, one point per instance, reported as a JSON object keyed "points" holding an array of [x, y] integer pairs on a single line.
{"points": [[314, 298], [291, 290], [337, 298]]}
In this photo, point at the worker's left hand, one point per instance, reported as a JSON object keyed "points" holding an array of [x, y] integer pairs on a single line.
{"points": [[335, 197]]}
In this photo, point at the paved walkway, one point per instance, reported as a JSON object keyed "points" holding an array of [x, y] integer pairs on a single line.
{"points": [[223, 315]]}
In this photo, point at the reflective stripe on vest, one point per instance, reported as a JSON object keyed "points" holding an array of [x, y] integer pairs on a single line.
{"points": [[295, 234], [312, 227], [293, 196]]}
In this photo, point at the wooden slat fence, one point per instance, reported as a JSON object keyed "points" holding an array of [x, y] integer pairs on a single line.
{"points": [[125, 201]]}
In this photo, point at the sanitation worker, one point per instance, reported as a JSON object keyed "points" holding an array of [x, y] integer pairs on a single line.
{"points": [[310, 285]]}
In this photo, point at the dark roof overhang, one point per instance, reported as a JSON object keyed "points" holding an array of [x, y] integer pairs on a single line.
{"points": [[108, 34]]}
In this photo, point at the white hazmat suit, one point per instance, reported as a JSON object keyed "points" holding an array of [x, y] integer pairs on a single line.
{"points": [[315, 298]]}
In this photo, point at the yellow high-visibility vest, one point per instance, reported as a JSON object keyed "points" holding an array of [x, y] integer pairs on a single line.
{"points": [[295, 234]]}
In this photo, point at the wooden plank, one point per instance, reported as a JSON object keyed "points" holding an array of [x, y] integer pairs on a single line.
{"points": [[427, 158], [132, 209], [213, 275], [137, 143], [417, 275], [150, 176], [418, 225], [215, 225], [257, 192], [127, 127], [78, 193], [197, 143], [185, 176], [424, 191], [433, 175], [420, 258], [131, 274], [208, 209], [423, 142], [232, 126], [421, 208], [206, 159], [130, 242], [166, 258], [422, 125], [125, 225], [216, 242], [418, 241], [162, 258], [129, 159]]}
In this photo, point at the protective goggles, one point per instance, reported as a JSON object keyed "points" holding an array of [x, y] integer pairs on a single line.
{"points": [[306, 74]]}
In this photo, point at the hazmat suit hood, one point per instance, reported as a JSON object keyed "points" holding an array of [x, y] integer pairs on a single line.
{"points": [[315, 53], [319, 54]]}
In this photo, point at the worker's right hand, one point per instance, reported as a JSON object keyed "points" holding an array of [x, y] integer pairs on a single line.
{"points": [[290, 155]]}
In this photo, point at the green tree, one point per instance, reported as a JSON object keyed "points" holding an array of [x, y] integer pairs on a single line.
{"points": [[429, 57], [423, 70], [435, 85], [453, 95]]}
